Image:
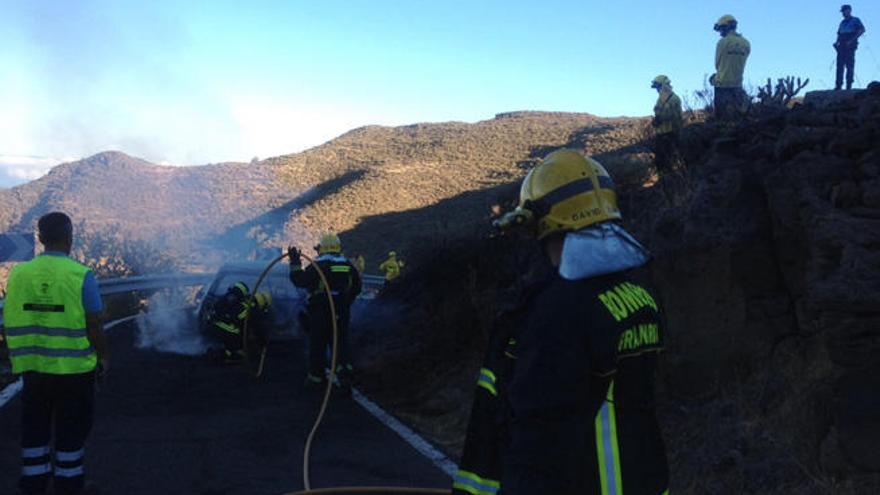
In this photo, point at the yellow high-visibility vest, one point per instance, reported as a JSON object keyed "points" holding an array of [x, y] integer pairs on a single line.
{"points": [[45, 319]]}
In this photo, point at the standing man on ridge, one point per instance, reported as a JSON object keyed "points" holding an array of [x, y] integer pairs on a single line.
{"points": [[345, 285], [52, 315], [731, 54], [667, 124], [564, 403], [848, 33]]}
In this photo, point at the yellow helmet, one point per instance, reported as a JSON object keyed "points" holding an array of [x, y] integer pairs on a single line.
{"points": [[725, 21], [566, 192], [391, 254], [263, 299], [239, 287], [660, 80], [330, 243]]}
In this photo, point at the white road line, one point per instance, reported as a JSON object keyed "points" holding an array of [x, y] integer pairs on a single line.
{"points": [[14, 388], [409, 436], [9, 392], [420, 444]]}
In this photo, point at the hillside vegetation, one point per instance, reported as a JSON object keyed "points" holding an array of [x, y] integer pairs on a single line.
{"points": [[202, 215]]}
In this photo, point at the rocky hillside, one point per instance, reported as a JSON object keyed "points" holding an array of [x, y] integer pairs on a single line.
{"points": [[146, 201], [771, 275], [360, 182], [417, 184], [767, 247]]}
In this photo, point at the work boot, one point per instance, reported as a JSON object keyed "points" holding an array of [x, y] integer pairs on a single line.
{"points": [[344, 375], [233, 357]]}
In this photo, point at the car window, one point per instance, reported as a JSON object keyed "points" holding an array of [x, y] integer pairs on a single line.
{"points": [[277, 282]]}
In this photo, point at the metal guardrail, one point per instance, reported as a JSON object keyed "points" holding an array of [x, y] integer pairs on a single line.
{"points": [[373, 280], [153, 282], [147, 282]]}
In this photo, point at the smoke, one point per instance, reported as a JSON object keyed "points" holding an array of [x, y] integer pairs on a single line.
{"points": [[169, 325]]}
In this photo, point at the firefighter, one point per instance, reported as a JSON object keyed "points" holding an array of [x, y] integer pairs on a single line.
{"points": [[345, 285], [391, 267], [731, 54], [260, 319], [52, 315], [666, 123], [564, 402], [229, 315]]}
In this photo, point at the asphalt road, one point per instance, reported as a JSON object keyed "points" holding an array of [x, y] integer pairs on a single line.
{"points": [[168, 424]]}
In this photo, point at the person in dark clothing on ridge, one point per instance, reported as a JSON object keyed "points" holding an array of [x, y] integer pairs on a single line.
{"points": [[564, 403], [345, 285], [848, 33]]}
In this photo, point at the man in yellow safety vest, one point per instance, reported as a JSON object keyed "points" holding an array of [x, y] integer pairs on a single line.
{"points": [[52, 315]]}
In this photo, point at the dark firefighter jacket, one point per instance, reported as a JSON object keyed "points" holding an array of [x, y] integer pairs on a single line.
{"points": [[565, 400], [344, 279], [230, 312]]}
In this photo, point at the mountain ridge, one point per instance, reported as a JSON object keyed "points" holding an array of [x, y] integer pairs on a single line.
{"points": [[366, 172]]}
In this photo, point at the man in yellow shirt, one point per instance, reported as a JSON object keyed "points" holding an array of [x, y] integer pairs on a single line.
{"points": [[731, 54], [391, 267]]}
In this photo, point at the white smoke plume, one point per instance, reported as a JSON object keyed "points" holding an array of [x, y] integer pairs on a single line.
{"points": [[169, 325]]}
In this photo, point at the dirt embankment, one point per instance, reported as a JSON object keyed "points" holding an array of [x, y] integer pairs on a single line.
{"points": [[768, 257]]}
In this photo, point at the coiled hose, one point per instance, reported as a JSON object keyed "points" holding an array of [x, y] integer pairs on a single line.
{"points": [[324, 403]]}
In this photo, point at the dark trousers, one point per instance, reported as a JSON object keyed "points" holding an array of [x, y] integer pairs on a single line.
{"points": [[665, 151], [846, 61], [729, 103], [231, 341], [321, 338], [62, 404]]}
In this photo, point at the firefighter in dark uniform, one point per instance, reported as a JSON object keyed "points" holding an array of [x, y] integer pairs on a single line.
{"points": [[260, 320], [345, 285], [230, 313], [55, 336], [564, 402]]}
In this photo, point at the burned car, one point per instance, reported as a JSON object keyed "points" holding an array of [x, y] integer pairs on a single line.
{"points": [[287, 300]]}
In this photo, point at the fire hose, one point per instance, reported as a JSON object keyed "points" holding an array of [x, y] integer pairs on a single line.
{"points": [[326, 400]]}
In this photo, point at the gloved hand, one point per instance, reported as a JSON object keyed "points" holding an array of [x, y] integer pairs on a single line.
{"points": [[294, 255]]}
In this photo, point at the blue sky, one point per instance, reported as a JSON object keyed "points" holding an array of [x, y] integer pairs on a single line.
{"points": [[199, 82]]}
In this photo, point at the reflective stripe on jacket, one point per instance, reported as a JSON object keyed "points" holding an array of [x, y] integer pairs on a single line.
{"points": [[667, 112], [45, 319], [731, 54], [230, 312], [342, 275], [565, 402]]}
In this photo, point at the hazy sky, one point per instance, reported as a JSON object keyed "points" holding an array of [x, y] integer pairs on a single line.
{"points": [[186, 82]]}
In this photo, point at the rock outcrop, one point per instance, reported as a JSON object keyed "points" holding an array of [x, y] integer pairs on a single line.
{"points": [[767, 254], [770, 271]]}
